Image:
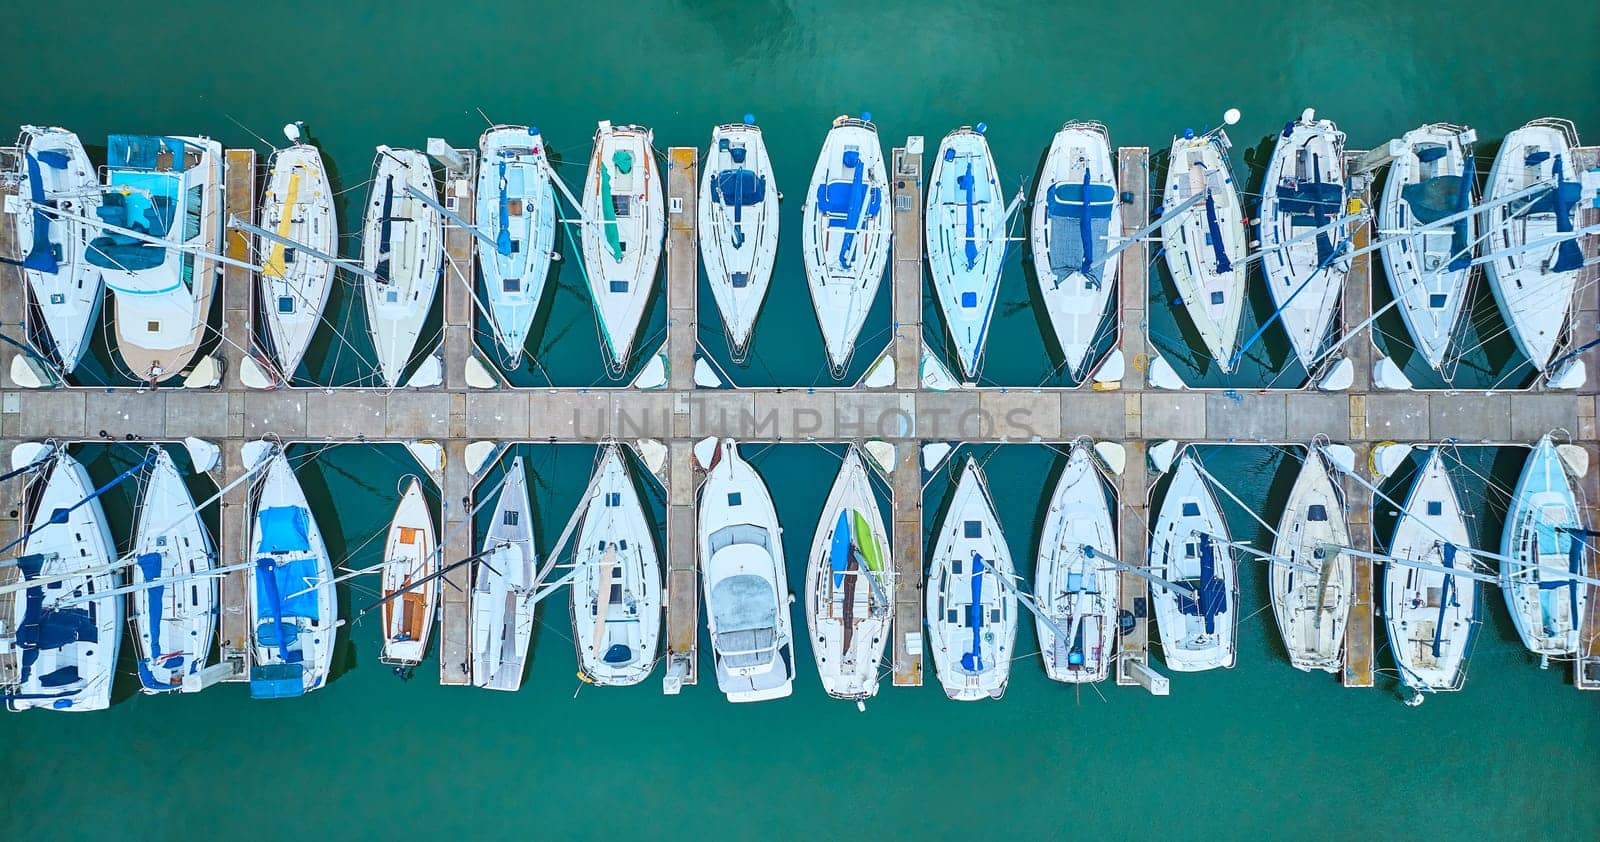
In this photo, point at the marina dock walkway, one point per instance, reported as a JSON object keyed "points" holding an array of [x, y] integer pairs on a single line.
{"points": [[904, 414]]}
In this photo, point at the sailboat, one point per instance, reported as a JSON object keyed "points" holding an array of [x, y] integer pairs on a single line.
{"points": [[1311, 580], [502, 588], [626, 222], [516, 211], [845, 234], [745, 580], [738, 227], [1205, 243], [966, 236], [1428, 268], [1431, 613], [1197, 606], [1305, 191], [410, 560], [972, 615], [1545, 535], [1077, 215], [1078, 593], [402, 243], [174, 624], [298, 206], [169, 189], [56, 174], [66, 656], [847, 588], [1534, 288], [293, 609], [616, 581]]}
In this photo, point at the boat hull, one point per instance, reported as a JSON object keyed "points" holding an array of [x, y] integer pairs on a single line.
{"points": [[293, 608], [410, 556], [1080, 594], [738, 227], [622, 198], [1546, 607], [845, 235], [1304, 192], [174, 624], [1199, 627], [965, 227], [65, 289], [971, 614], [616, 612], [1078, 302], [847, 615], [516, 210], [1213, 289], [503, 611], [1432, 616], [1312, 606], [402, 242]]}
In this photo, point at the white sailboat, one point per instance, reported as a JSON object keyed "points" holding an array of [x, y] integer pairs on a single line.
{"points": [[402, 243], [745, 580], [1305, 191], [1079, 593], [966, 237], [845, 234], [616, 581], [410, 557], [1198, 613], [626, 224], [297, 205], [847, 588], [1205, 243], [738, 227], [1432, 615], [66, 656], [293, 609], [1544, 534], [516, 209], [1312, 605], [1534, 288], [1077, 219], [1428, 269], [502, 588], [170, 189], [173, 624], [57, 174], [972, 616]]}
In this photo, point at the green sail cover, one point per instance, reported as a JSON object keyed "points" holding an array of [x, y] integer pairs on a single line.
{"points": [[866, 541], [608, 213]]}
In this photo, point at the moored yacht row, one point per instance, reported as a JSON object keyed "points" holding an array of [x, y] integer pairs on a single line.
{"points": [[76, 589], [150, 228]]}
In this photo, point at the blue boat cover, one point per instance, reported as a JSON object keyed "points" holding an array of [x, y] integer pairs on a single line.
{"points": [[1214, 233], [284, 529], [618, 653], [972, 661], [1568, 255], [1447, 598], [846, 202], [148, 204], [42, 629], [277, 681], [1079, 216], [279, 585], [1210, 598], [1461, 244], [150, 569], [839, 551], [143, 152], [44, 256], [965, 183], [1432, 199]]}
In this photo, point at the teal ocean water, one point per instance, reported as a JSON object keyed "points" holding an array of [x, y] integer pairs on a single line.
{"points": [[1259, 749]]}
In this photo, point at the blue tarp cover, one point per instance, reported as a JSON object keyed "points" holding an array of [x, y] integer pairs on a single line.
{"points": [[281, 581], [284, 529], [1211, 595], [142, 152], [972, 661]]}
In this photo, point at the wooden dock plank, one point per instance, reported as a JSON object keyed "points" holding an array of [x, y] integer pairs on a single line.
{"points": [[460, 250], [234, 627], [455, 606], [1133, 177], [683, 264], [1586, 324], [906, 535], [683, 586], [1360, 645], [906, 276], [238, 283]]}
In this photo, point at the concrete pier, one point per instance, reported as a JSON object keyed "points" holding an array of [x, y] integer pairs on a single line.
{"points": [[904, 415]]}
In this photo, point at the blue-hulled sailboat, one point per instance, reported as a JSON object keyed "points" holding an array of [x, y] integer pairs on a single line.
{"points": [[738, 227], [966, 237], [845, 236], [293, 612], [1305, 192], [1548, 543], [57, 175], [1534, 287], [516, 210], [1428, 267], [1077, 216]]}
